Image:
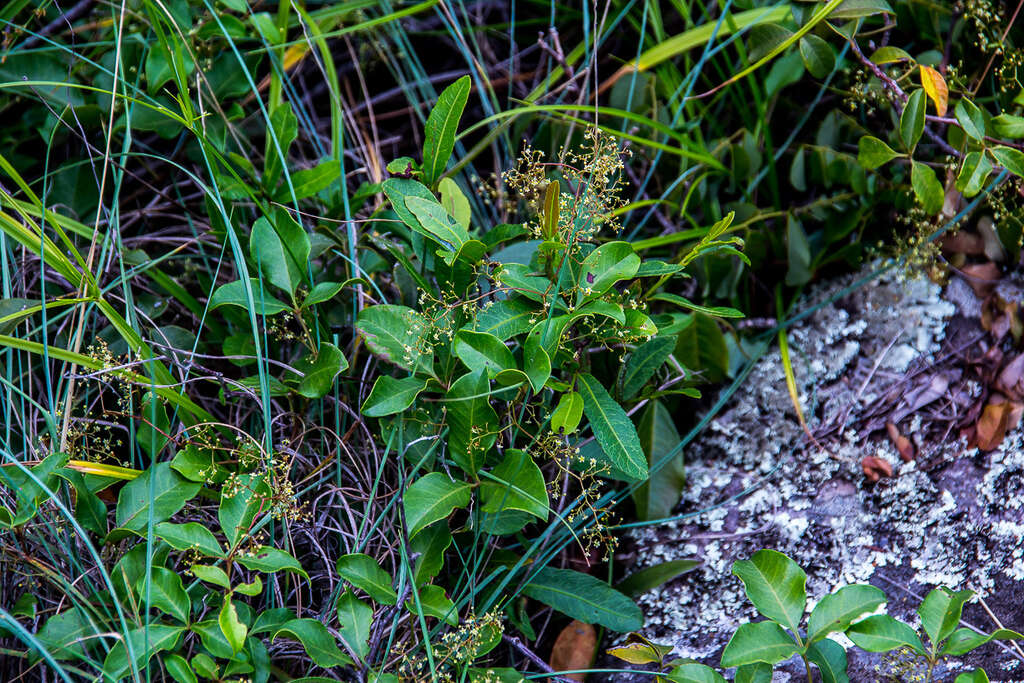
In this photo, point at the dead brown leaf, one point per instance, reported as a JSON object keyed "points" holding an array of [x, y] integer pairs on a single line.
{"points": [[964, 242], [982, 277], [995, 422], [574, 649], [904, 445], [875, 468], [1011, 379]]}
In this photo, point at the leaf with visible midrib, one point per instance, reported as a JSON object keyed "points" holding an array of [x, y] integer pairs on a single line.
{"points": [[612, 427], [439, 131], [363, 572], [836, 611], [775, 584], [170, 491], [585, 598], [433, 497], [763, 641]]}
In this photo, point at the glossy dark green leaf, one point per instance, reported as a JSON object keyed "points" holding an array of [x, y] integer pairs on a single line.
{"points": [[317, 641], [612, 427], [145, 642], [819, 60], [1008, 126], [970, 118], [940, 612], [837, 610], [363, 572], [320, 370], [390, 395], [775, 584], [156, 494], [975, 676], [269, 254], [472, 422], [927, 188], [974, 171], [441, 127], [882, 633], [830, 657], [394, 332], [584, 597], [963, 640], [758, 672], [912, 119], [268, 560], [517, 484], [647, 579], [603, 267], [763, 641], [1011, 159], [701, 348], [433, 497], [234, 294], [355, 618], [239, 504], [656, 497], [855, 9], [434, 603], [643, 363], [189, 536], [692, 672], [482, 351], [308, 182], [566, 416], [872, 152]]}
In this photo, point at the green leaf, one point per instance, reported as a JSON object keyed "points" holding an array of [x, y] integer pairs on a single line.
{"points": [[233, 294], [269, 253], [1010, 159], [889, 55], [912, 119], [283, 129], [363, 572], [268, 560], [819, 60], [565, 419], [656, 497], [758, 672], [798, 250], [472, 422], [536, 360], [432, 497], [872, 153], [179, 669], [438, 223], [975, 676], [210, 574], [521, 279], [454, 201], [506, 318], [156, 494], [763, 641], [400, 189], [882, 633], [308, 182], [189, 536], [145, 642], [612, 428], [775, 584], [831, 660], [495, 675], [239, 504], [321, 292], [692, 672], [439, 131], [837, 610], [355, 618], [390, 395], [319, 373], [482, 351], [434, 603], [763, 38], [855, 9], [64, 635], [1009, 126], [971, 119], [963, 640], [927, 187], [231, 626], [317, 641], [643, 363], [701, 347], [940, 612], [166, 593], [431, 545], [973, 173], [584, 597], [394, 332], [521, 486], [154, 428], [603, 267], [649, 578]]}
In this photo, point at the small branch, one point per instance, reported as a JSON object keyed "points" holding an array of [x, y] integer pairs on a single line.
{"points": [[529, 654]]}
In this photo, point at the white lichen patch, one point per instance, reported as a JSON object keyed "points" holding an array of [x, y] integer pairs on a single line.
{"points": [[959, 525]]}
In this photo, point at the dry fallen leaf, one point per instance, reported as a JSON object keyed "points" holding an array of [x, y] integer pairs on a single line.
{"points": [[993, 424], [982, 277], [574, 649], [964, 242], [904, 445], [1011, 379], [875, 468]]}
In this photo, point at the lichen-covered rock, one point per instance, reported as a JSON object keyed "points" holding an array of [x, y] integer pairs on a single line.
{"points": [[951, 517]]}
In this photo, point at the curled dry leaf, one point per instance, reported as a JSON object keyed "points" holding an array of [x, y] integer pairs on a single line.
{"points": [[875, 468], [574, 649], [904, 445]]}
